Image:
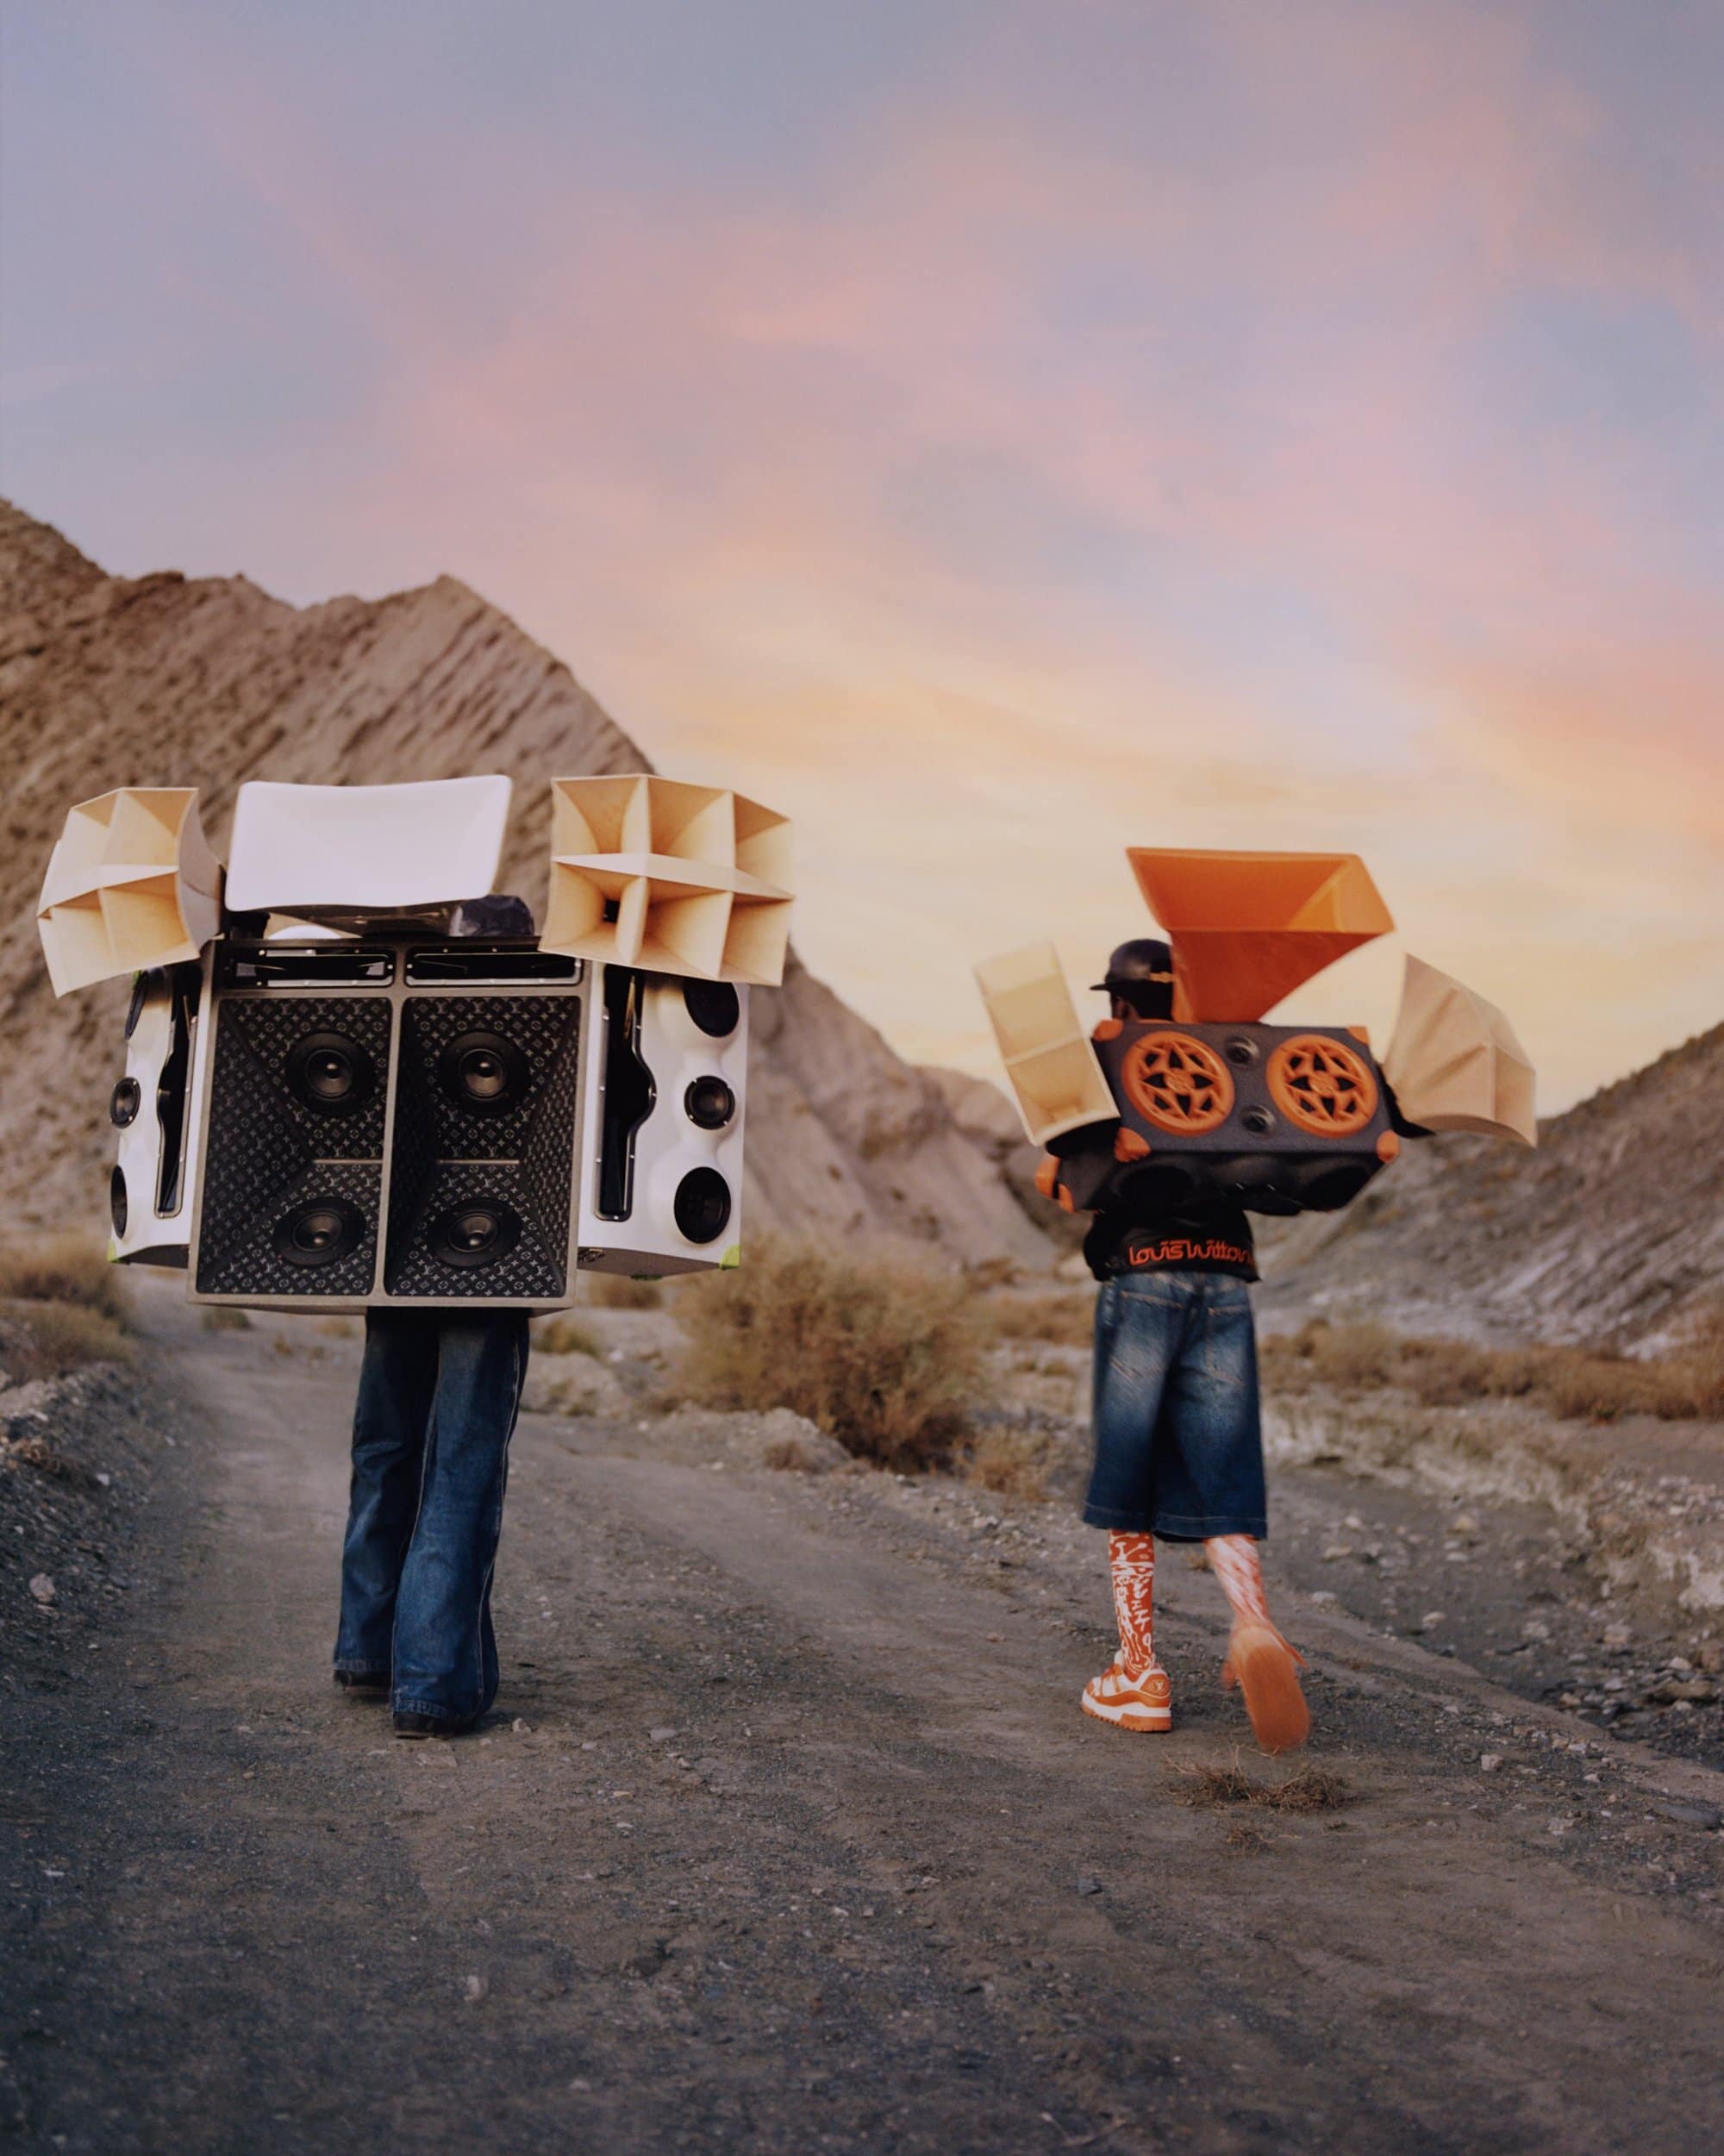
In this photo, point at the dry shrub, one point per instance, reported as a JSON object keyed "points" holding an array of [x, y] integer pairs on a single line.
{"points": [[51, 1340], [1060, 1320], [1313, 1788], [1013, 1463], [1568, 1381], [568, 1336], [226, 1317], [884, 1355], [618, 1292], [62, 1269]]}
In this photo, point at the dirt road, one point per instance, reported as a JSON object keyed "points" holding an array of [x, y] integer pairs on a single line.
{"points": [[787, 1836]]}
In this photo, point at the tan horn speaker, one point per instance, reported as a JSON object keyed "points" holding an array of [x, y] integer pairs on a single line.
{"points": [[652, 873], [132, 884], [1055, 1077]]}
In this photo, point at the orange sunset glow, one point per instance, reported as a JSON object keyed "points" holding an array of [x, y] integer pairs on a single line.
{"points": [[994, 434]]}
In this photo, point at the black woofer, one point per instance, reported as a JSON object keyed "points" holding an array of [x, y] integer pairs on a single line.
{"points": [[484, 1073], [478, 1232], [117, 1209], [710, 1103], [714, 1007], [330, 1074], [321, 1232], [702, 1205], [123, 1103]]}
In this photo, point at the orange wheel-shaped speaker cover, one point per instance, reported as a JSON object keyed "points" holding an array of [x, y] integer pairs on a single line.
{"points": [[1177, 1083], [1322, 1086]]}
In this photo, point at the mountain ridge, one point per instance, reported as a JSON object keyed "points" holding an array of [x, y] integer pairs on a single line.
{"points": [[169, 681]]}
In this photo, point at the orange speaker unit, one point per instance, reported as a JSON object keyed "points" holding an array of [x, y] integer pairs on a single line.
{"points": [[1278, 1119]]}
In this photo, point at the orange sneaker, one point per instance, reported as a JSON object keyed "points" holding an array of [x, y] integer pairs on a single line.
{"points": [[1267, 1670], [1141, 1702]]}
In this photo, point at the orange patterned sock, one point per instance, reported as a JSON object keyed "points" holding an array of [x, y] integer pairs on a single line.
{"points": [[1131, 1561], [1234, 1560]]}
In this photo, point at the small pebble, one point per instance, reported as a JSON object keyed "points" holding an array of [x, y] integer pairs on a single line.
{"points": [[42, 1588]]}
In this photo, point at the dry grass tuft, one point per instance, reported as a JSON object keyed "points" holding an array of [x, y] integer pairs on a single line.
{"points": [[883, 1355], [226, 1317], [37, 1452], [568, 1336], [1572, 1382], [617, 1291], [63, 1269], [52, 1340], [1313, 1788], [1059, 1318], [1245, 1840], [1013, 1463]]}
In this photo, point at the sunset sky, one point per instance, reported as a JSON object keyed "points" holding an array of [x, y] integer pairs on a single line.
{"points": [[995, 433]]}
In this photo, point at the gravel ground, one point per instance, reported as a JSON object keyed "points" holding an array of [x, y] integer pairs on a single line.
{"points": [[787, 1834]]}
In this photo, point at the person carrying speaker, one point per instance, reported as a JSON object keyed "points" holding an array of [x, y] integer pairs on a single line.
{"points": [[1178, 1448], [438, 1393]]}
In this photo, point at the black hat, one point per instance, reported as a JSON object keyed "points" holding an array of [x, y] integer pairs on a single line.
{"points": [[1144, 960]]}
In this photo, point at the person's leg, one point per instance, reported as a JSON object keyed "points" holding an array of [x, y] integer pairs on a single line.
{"points": [[445, 1667], [390, 1419], [1216, 1491], [1137, 1331]]}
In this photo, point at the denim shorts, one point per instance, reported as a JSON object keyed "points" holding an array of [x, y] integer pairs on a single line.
{"points": [[1178, 1442]]}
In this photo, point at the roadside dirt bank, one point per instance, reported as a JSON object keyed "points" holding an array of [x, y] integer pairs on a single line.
{"points": [[787, 1835]]}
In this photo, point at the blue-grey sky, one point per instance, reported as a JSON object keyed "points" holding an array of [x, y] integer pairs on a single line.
{"points": [[997, 434]]}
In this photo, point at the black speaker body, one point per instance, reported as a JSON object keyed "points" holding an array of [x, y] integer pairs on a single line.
{"points": [[389, 1123], [1278, 1119]]}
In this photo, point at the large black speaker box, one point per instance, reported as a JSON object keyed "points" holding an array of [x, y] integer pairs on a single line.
{"points": [[1279, 1119], [390, 1123]]}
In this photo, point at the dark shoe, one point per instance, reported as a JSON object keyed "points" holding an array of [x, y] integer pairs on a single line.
{"points": [[363, 1683], [412, 1725]]}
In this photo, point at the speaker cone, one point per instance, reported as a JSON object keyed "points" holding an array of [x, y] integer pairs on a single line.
{"points": [[478, 1232], [484, 1073], [710, 1103], [702, 1205], [321, 1232], [330, 1074], [714, 1007], [123, 1103], [116, 1200]]}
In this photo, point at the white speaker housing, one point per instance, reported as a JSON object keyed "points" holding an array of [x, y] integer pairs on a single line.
{"points": [[628, 1208], [365, 852], [155, 1107]]}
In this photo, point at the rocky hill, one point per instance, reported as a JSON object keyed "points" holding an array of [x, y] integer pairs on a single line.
{"points": [[1611, 1232], [164, 680]]}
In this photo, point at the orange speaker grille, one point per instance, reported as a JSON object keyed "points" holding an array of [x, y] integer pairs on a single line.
{"points": [[1176, 1083], [1322, 1086]]}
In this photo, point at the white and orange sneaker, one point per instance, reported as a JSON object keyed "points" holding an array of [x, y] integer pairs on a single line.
{"points": [[1267, 1670], [1143, 1703]]}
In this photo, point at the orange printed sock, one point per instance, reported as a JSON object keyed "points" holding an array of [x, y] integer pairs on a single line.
{"points": [[1234, 1560], [1131, 1563]]}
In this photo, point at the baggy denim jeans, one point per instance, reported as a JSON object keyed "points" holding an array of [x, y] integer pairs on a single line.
{"points": [[438, 1393], [1178, 1442]]}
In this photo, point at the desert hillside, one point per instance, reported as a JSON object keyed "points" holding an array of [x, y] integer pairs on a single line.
{"points": [[164, 680], [1613, 1230]]}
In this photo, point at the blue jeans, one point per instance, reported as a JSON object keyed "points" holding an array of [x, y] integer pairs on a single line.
{"points": [[1179, 1445], [438, 1392]]}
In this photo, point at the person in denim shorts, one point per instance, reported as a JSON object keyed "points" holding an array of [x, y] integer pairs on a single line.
{"points": [[1178, 1442]]}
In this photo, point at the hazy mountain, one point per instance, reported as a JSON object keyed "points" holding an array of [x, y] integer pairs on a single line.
{"points": [[164, 680], [1613, 1230]]}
